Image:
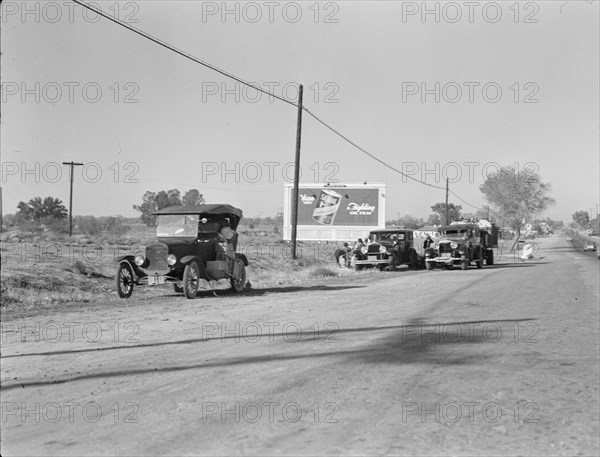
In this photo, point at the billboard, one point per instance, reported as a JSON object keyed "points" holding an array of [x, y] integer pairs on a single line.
{"points": [[335, 212]]}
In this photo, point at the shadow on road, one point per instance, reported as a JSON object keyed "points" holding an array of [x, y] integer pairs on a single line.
{"points": [[405, 344], [524, 263], [266, 290]]}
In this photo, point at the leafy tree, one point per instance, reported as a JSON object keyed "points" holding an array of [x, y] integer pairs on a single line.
{"points": [[147, 207], [582, 219], [440, 210], [193, 197], [434, 219], [483, 214], [153, 201], [37, 209], [517, 194], [408, 221]]}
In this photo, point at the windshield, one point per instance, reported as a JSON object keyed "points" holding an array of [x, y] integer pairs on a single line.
{"points": [[462, 233], [177, 225], [389, 237]]}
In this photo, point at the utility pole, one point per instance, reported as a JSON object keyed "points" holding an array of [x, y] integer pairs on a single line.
{"points": [[296, 174], [71, 164], [447, 221]]}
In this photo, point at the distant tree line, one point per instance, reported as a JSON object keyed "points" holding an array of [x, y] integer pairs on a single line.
{"points": [[153, 201]]}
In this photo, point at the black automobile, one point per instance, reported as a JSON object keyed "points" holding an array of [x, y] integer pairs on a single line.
{"points": [[387, 250], [462, 243], [192, 243]]}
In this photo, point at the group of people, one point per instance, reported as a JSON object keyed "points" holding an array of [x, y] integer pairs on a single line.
{"points": [[347, 253]]}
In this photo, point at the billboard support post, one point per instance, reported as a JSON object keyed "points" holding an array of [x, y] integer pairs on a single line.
{"points": [[296, 174]]}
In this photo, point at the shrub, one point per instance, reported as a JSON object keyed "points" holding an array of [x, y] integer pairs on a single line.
{"points": [[321, 271]]}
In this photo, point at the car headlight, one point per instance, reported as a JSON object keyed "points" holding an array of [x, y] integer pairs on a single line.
{"points": [[171, 259], [382, 249], [139, 260], [453, 245], [364, 249]]}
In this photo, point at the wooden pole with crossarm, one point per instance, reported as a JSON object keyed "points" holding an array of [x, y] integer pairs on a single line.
{"points": [[71, 164]]}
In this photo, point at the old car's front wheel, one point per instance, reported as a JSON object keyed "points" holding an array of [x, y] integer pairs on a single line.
{"points": [[191, 279], [124, 280], [490, 257], [239, 284]]}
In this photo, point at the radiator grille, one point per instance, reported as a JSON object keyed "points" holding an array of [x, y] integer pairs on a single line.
{"points": [[157, 256]]}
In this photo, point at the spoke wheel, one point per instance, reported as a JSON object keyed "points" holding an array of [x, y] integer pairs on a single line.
{"points": [[124, 280], [239, 284], [191, 279]]}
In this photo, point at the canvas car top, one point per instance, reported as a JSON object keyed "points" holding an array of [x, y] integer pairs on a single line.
{"points": [[201, 209], [213, 209]]}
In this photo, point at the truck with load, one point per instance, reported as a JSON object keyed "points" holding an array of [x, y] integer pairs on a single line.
{"points": [[462, 243]]}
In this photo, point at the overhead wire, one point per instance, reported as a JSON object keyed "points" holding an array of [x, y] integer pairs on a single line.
{"points": [[240, 80], [367, 152], [179, 51]]}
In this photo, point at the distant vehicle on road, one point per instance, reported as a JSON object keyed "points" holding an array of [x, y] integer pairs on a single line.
{"points": [[569, 238], [590, 246]]}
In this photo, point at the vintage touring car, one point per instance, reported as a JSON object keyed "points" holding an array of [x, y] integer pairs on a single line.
{"points": [[192, 243]]}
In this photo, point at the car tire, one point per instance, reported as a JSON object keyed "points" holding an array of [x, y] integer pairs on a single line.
{"points": [[240, 284], [490, 257], [191, 279], [479, 263], [124, 280], [428, 266], [464, 264]]}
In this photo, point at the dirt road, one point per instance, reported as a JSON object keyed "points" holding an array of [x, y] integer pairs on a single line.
{"points": [[497, 361]]}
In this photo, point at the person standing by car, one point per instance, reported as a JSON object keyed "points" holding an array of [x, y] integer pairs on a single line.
{"points": [[357, 251], [428, 242]]}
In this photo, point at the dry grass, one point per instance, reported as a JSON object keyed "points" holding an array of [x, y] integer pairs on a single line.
{"points": [[43, 272]]}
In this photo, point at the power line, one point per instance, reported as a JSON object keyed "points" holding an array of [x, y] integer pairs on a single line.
{"points": [[179, 51], [240, 80], [365, 151]]}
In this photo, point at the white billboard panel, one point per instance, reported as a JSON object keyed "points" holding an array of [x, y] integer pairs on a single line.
{"points": [[335, 212]]}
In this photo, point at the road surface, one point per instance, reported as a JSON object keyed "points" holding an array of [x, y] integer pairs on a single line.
{"points": [[498, 361]]}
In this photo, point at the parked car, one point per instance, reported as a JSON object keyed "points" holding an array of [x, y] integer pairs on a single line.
{"points": [[569, 238], [462, 243], [590, 246], [387, 250], [192, 243]]}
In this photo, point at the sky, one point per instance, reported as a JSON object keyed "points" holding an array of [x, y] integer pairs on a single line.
{"points": [[434, 89]]}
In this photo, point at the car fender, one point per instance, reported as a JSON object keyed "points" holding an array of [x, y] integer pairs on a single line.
{"points": [[129, 259], [242, 257], [201, 265], [430, 252], [189, 258]]}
